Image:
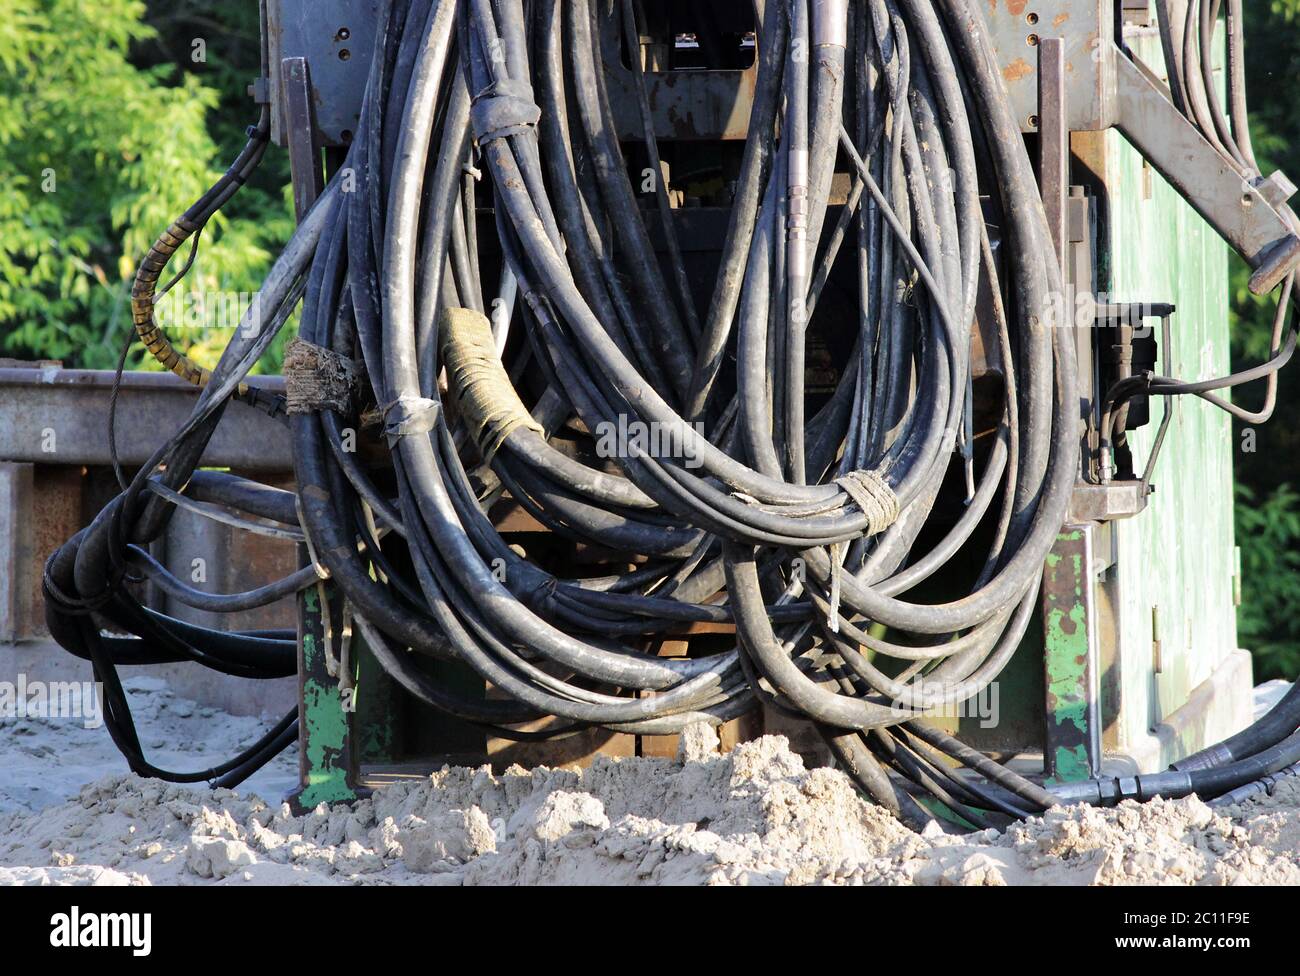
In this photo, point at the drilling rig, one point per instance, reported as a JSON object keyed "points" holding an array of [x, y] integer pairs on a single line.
{"points": [[857, 371]]}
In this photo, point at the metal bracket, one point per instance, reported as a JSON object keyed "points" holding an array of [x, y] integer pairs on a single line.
{"points": [[1054, 142], [1107, 503], [1128, 314], [1040, 45], [685, 105], [337, 38], [1086, 32], [300, 135], [1239, 210]]}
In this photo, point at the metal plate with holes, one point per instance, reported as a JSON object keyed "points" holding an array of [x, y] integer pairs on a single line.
{"points": [[336, 38], [1016, 28], [685, 105]]}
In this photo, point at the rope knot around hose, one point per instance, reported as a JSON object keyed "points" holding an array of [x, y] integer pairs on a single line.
{"points": [[504, 108], [873, 495], [478, 382], [880, 505]]}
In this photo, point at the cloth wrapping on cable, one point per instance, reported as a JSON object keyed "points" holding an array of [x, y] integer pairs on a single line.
{"points": [[487, 400], [316, 378]]}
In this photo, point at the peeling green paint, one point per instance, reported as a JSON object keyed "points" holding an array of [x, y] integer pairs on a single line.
{"points": [[1071, 764], [327, 732], [1065, 658], [325, 724]]}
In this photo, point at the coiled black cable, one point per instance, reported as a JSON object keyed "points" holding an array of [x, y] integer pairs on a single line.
{"points": [[817, 527]]}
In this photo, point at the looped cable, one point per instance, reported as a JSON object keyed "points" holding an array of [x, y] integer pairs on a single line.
{"points": [[79, 606]]}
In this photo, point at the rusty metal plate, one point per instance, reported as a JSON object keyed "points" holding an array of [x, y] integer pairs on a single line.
{"points": [[336, 37], [1017, 27], [59, 417]]}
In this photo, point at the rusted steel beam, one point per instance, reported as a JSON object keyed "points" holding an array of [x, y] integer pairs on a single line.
{"points": [[50, 415]]}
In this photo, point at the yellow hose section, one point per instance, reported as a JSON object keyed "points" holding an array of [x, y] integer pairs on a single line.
{"points": [[488, 403], [142, 305]]}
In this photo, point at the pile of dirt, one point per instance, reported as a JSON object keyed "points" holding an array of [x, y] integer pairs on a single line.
{"points": [[753, 816]]}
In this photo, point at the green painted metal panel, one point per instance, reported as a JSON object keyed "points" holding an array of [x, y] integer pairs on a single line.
{"points": [[1178, 555], [328, 771], [1069, 660]]}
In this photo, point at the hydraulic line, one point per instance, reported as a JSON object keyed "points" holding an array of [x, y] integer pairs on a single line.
{"points": [[657, 423]]}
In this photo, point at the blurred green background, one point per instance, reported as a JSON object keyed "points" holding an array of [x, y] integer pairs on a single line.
{"points": [[113, 106], [1268, 506]]}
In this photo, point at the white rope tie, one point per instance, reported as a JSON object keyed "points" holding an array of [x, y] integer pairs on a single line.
{"points": [[874, 496], [879, 504]]}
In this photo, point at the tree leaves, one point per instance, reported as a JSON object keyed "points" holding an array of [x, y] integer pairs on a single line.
{"points": [[1268, 532], [98, 154]]}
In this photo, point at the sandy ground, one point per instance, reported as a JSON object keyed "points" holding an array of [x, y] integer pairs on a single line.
{"points": [[44, 762], [754, 816]]}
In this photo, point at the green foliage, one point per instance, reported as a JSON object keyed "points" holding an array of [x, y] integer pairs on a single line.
{"points": [[98, 154], [1268, 532], [1268, 509]]}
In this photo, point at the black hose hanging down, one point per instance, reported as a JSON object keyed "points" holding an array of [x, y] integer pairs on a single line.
{"points": [[635, 413]]}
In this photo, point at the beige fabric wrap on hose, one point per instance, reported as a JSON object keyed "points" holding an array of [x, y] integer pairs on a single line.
{"points": [[478, 383]]}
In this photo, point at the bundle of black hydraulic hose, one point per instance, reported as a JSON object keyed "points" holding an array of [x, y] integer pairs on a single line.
{"points": [[804, 528]]}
